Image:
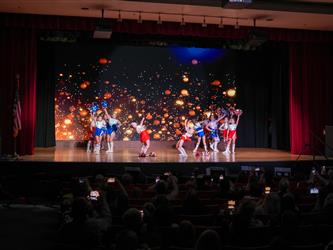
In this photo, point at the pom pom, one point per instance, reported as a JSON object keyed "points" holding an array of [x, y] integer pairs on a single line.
{"points": [[104, 104]]}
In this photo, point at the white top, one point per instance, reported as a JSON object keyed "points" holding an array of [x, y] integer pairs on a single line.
{"points": [[113, 121], [232, 126], [140, 128], [224, 126], [212, 124], [100, 124], [188, 134]]}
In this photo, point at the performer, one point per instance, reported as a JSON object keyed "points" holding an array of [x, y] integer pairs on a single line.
{"points": [[224, 129], [212, 127], [185, 137], [91, 138], [112, 125], [104, 136], [99, 131], [144, 138], [201, 135], [232, 134]]}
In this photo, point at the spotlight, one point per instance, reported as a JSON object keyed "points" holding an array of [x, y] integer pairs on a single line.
{"points": [[221, 25], [182, 23], [119, 20], [204, 24], [159, 21], [139, 18], [237, 24]]}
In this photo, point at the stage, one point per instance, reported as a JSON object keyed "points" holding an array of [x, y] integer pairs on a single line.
{"points": [[127, 152], [71, 159]]}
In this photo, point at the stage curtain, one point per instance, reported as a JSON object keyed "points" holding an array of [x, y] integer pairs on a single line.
{"points": [[18, 56], [262, 81], [311, 95], [45, 131]]}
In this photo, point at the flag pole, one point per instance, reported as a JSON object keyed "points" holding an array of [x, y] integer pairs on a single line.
{"points": [[15, 155]]}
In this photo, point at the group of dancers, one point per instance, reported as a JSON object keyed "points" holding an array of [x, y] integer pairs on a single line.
{"points": [[212, 129], [103, 128]]}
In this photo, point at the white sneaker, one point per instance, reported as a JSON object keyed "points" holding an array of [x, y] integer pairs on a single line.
{"points": [[195, 150], [211, 146], [216, 150], [226, 152], [108, 151]]}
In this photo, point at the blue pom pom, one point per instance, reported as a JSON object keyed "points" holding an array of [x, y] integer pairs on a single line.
{"points": [[93, 108], [104, 104]]}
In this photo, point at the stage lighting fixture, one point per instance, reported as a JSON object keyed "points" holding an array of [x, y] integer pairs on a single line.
{"points": [[119, 20], [159, 21], [204, 24], [103, 29], [237, 24], [182, 23], [221, 25], [139, 18], [236, 4]]}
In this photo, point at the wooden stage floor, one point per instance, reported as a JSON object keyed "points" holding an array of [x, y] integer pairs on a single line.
{"points": [[127, 152]]}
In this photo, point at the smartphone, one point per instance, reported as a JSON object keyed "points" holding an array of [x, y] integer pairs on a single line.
{"points": [[81, 180], [157, 179], [313, 171], [111, 180], [257, 169], [267, 190], [221, 177], [231, 204], [314, 190], [94, 195], [167, 173], [142, 214]]}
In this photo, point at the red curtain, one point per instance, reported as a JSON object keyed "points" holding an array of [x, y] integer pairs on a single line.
{"points": [[18, 56], [311, 95]]}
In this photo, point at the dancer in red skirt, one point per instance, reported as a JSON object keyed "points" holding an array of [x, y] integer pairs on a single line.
{"points": [[224, 129], [232, 134], [144, 138]]}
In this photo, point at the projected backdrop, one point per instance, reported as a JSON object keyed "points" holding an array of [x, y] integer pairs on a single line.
{"points": [[164, 84]]}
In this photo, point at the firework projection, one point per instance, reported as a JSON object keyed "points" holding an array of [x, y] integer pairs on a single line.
{"points": [[165, 85]]}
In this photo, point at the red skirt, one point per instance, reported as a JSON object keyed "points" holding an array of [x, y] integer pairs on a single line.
{"points": [[185, 138], [232, 134], [144, 136], [224, 133]]}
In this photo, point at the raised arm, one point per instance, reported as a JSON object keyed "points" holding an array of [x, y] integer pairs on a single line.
{"points": [[107, 114], [220, 118], [142, 121], [237, 121]]}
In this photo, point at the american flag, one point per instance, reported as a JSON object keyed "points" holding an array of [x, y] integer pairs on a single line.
{"points": [[17, 126]]}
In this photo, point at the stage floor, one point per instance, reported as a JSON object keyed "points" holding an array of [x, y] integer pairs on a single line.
{"points": [[127, 152]]}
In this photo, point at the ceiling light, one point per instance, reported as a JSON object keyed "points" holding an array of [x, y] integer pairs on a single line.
{"points": [[204, 24], [182, 23], [140, 18], [119, 20], [159, 21], [237, 24], [221, 25]]}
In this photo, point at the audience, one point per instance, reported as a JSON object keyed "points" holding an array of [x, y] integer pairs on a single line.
{"points": [[105, 213]]}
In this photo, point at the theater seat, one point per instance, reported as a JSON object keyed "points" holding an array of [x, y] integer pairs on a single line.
{"points": [[247, 248], [307, 247], [207, 219]]}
